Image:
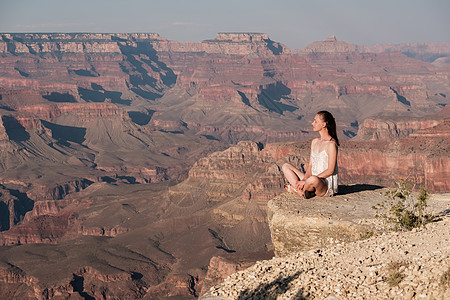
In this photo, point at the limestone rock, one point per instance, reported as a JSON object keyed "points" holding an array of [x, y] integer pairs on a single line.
{"points": [[297, 224]]}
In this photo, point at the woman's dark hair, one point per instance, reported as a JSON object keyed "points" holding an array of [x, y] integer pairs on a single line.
{"points": [[328, 118]]}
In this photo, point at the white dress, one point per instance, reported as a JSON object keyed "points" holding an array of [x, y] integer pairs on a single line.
{"points": [[319, 163]]}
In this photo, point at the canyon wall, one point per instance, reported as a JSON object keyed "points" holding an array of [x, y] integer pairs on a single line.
{"points": [[389, 128], [265, 92], [221, 205]]}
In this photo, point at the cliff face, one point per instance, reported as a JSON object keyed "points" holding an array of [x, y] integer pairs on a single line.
{"points": [[389, 128], [406, 158], [297, 225], [379, 129], [264, 91]]}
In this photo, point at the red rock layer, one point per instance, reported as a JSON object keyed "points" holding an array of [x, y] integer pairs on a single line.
{"points": [[264, 92], [389, 129]]}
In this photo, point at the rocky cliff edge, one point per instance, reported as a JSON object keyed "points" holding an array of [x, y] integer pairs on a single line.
{"points": [[322, 252]]}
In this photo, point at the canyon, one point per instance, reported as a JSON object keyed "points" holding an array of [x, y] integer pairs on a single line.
{"points": [[137, 167]]}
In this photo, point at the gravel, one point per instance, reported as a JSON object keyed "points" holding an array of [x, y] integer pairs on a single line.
{"points": [[393, 265]]}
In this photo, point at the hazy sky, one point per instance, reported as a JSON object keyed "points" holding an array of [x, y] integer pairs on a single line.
{"points": [[295, 23]]}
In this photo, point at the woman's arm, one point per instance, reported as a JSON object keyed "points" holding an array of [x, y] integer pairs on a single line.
{"points": [[332, 151], [308, 171]]}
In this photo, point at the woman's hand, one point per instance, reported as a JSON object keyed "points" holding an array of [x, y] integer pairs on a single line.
{"points": [[299, 185]]}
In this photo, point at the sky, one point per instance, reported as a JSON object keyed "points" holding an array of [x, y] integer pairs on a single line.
{"points": [[295, 23]]}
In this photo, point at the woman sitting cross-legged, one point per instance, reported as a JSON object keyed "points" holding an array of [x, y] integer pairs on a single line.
{"points": [[321, 177]]}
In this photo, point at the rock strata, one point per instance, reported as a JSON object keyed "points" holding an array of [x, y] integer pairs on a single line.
{"points": [[384, 128]]}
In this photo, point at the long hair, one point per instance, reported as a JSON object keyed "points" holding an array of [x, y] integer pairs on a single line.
{"points": [[328, 118]]}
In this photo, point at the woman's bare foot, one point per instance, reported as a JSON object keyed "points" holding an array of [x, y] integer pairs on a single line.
{"points": [[290, 189]]}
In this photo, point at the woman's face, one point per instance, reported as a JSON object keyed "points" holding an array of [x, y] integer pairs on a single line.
{"points": [[318, 123]]}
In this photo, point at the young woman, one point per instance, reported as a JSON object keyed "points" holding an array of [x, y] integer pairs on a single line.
{"points": [[321, 177]]}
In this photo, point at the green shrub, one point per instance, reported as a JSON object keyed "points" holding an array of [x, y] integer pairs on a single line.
{"points": [[404, 208]]}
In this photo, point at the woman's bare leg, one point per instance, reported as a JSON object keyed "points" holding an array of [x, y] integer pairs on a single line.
{"points": [[292, 174], [317, 185]]}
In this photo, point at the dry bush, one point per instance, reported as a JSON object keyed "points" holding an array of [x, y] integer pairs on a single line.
{"points": [[404, 207], [394, 276], [445, 279]]}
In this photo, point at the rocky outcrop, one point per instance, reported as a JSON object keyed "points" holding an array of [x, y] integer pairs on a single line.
{"points": [[330, 45], [224, 164], [102, 231], [14, 206], [240, 44], [411, 265], [317, 260], [33, 218], [442, 129], [220, 268], [388, 129], [224, 43], [68, 42], [52, 192], [242, 173], [298, 225]]}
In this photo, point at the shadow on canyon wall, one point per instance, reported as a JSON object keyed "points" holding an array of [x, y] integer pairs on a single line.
{"points": [[66, 133], [139, 76], [60, 97], [15, 131], [13, 211]]}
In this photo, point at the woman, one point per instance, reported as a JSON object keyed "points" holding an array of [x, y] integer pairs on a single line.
{"points": [[321, 177]]}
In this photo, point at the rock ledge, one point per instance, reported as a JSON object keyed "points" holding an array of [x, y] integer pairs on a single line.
{"points": [[356, 270], [297, 224]]}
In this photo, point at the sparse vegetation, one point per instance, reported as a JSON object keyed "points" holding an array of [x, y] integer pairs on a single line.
{"points": [[395, 278], [366, 234], [445, 279], [394, 275], [404, 207]]}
